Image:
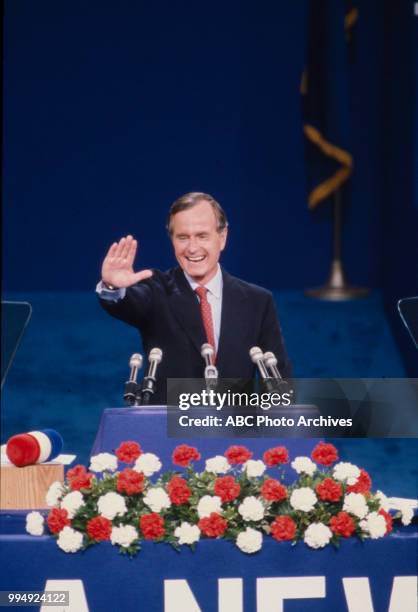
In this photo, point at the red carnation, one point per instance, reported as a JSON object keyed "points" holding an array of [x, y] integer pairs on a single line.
{"points": [[83, 481], [237, 454], [324, 453], [329, 490], [276, 455], [184, 454], [152, 526], [362, 485], [130, 482], [227, 488], [388, 519], [127, 452], [99, 528], [342, 524], [178, 491], [76, 471], [213, 525], [283, 528], [273, 490], [57, 520]]}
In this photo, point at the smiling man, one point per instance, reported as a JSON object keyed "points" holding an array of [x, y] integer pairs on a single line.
{"points": [[197, 302]]}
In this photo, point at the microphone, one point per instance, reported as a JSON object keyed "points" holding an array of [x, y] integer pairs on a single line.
{"points": [[148, 384], [211, 372], [256, 355], [270, 361], [281, 384], [131, 386]]}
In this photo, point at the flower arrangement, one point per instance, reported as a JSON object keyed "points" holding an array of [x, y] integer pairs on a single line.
{"points": [[233, 499]]}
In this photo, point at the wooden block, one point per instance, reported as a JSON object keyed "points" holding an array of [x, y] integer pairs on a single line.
{"points": [[26, 487]]}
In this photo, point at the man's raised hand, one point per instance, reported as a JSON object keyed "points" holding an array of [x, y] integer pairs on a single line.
{"points": [[117, 267]]}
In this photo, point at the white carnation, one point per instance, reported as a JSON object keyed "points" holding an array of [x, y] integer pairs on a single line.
{"points": [[123, 536], [70, 540], [110, 505], [303, 499], [103, 461], [217, 465], [157, 499], [355, 503], [407, 512], [303, 465], [346, 471], [187, 533], [148, 464], [35, 523], [250, 540], [384, 501], [72, 502], [375, 525], [317, 535], [54, 493], [251, 509], [209, 504], [254, 468]]}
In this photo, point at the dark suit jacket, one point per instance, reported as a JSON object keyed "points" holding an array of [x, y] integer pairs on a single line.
{"points": [[166, 312]]}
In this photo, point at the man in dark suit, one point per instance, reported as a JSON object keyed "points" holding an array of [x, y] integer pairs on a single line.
{"points": [[197, 302]]}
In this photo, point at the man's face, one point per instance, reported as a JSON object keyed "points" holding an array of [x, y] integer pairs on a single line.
{"points": [[197, 242]]}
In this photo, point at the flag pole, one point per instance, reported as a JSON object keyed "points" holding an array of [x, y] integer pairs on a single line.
{"points": [[337, 287]]}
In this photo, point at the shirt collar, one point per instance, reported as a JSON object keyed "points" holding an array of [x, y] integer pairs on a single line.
{"points": [[214, 286]]}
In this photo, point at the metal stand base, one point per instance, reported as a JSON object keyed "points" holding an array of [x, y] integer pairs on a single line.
{"points": [[337, 289]]}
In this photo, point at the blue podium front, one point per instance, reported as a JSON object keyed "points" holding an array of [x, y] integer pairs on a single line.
{"points": [[151, 428], [373, 576]]}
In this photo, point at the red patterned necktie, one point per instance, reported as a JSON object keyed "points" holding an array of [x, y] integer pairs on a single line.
{"points": [[206, 314]]}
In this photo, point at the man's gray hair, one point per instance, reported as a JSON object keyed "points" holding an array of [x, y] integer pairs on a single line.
{"points": [[189, 200]]}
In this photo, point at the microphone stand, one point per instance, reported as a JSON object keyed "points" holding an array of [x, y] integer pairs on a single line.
{"points": [[132, 391], [147, 390], [149, 381], [211, 377], [281, 385]]}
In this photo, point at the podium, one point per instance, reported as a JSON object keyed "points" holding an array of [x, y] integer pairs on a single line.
{"points": [[150, 427], [217, 576]]}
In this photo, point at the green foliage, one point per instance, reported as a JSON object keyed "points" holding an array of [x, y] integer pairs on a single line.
{"points": [[203, 484]]}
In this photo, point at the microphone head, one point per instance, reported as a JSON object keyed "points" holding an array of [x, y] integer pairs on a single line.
{"points": [[206, 350], [136, 361], [256, 354], [156, 355], [269, 359]]}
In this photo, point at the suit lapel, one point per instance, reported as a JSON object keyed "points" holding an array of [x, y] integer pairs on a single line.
{"points": [[185, 308], [233, 315]]}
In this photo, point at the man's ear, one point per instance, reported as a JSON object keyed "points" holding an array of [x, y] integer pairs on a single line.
{"points": [[224, 236]]}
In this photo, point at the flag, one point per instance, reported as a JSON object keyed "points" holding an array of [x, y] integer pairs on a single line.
{"points": [[326, 97]]}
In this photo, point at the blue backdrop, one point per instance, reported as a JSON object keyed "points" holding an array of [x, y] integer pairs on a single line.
{"points": [[113, 110]]}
